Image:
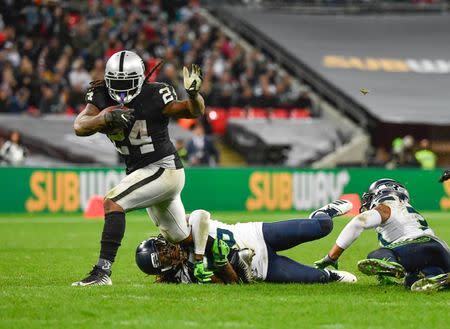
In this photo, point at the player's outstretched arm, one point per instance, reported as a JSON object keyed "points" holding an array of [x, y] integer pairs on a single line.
{"points": [[351, 232], [194, 106], [89, 121]]}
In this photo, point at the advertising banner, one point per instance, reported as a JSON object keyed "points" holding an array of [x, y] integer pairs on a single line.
{"points": [[53, 190]]}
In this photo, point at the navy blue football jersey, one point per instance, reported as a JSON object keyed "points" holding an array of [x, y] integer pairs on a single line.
{"points": [[147, 140]]}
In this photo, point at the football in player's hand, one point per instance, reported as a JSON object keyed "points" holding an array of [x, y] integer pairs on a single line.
{"points": [[117, 118]]}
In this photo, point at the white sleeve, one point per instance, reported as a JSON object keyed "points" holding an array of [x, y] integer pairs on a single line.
{"points": [[199, 221], [356, 226]]}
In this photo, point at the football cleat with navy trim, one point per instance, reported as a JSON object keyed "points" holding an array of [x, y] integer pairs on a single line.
{"points": [[341, 276]]}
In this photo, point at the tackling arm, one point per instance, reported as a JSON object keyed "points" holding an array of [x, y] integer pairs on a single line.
{"points": [[368, 219], [227, 274], [199, 222]]}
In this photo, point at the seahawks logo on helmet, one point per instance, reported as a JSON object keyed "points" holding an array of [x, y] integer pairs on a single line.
{"points": [[157, 255], [380, 190]]}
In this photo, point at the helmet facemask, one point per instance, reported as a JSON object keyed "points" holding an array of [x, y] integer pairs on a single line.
{"points": [[124, 87], [367, 198]]}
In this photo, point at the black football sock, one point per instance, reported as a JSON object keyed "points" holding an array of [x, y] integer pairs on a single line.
{"points": [[105, 265], [113, 231]]}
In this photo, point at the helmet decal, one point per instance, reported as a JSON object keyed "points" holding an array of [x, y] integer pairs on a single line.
{"points": [[124, 76], [155, 260]]}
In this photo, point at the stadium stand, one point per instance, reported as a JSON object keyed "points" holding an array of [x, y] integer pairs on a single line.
{"points": [[280, 141], [79, 45], [405, 80], [49, 60], [390, 56]]}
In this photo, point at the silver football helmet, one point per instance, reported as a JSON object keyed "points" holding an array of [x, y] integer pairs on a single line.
{"points": [[124, 76], [380, 189]]}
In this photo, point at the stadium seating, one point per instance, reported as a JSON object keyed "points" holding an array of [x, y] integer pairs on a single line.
{"points": [[218, 118], [283, 142], [237, 112], [300, 113], [279, 114], [257, 113]]}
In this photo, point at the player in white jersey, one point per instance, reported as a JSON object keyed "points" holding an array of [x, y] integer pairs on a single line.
{"points": [[409, 247], [264, 240]]}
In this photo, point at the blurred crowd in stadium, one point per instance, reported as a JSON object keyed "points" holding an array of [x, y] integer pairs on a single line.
{"points": [[406, 152], [50, 54], [50, 51]]}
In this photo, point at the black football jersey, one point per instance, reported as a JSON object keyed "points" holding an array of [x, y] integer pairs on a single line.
{"points": [[147, 140]]}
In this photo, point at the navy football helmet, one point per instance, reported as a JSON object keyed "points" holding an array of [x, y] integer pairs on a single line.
{"points": [[383, 187], [157, 255]]}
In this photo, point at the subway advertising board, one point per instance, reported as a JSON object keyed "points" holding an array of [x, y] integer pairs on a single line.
{"points": [[44, 190]]}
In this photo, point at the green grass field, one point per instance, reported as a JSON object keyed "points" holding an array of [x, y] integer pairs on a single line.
{"points": [[41, 255]]}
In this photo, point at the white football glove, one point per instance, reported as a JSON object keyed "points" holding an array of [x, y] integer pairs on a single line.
{"points": [[192, 81]]}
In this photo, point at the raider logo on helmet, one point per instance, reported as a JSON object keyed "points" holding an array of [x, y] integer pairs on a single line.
{"points": [[124, 76]]}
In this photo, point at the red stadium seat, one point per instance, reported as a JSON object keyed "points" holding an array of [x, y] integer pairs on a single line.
{"points": [[279, 114], [187, 123], [257, 113], [237, 112], [300, 113], [218, 118]]}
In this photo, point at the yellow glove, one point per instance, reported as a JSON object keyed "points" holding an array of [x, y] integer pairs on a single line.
{"points": [[192, 81]]}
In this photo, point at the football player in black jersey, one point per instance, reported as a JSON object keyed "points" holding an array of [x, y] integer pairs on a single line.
{"points": [[136, 121]]}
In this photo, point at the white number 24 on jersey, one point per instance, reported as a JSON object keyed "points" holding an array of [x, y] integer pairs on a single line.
{"points": [[139, 137]]}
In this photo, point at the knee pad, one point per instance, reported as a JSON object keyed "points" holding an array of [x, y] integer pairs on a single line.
{"points": [[326, 224]]}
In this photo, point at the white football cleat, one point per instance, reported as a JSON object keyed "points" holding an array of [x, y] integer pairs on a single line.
{"points": [[342, 276], [335, 208]]}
